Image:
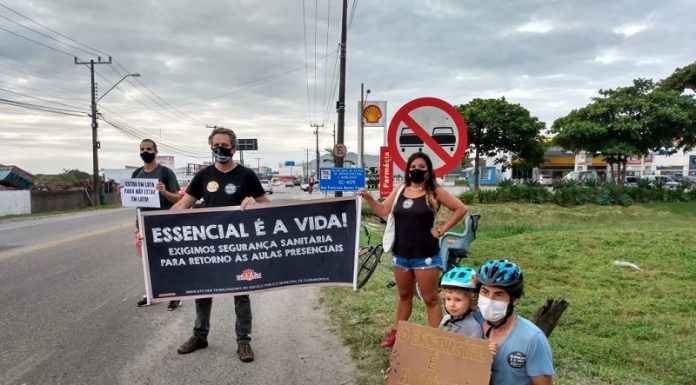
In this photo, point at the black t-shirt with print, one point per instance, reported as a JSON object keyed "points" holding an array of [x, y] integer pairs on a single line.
{"points": [[225, 189]]}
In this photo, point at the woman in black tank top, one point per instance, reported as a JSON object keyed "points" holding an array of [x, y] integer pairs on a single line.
{"points": [[416, 246]]}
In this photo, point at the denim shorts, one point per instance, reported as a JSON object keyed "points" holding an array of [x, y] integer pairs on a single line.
{"points": [[416, 263]]}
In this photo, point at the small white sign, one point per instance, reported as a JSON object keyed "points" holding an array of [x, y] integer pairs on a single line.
{"points": [[140, 193]]}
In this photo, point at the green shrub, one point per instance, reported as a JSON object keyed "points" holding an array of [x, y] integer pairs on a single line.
{"points": [[467, 197], [487, 196], [625, 200]]}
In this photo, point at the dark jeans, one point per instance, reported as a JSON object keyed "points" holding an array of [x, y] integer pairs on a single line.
{"points": [[242, 308]]}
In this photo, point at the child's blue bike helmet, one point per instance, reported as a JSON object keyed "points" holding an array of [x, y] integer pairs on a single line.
{"points": [[502, 273], [460, 277]]}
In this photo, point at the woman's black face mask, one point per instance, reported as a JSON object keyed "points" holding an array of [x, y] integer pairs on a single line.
{"points": [[417, 175]]}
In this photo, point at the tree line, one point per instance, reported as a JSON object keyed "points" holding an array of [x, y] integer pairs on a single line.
{"points": [[618, 124]]}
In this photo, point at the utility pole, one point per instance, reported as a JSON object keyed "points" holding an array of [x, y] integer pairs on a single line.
{"points": [[316, 134], [96, 182], [258, 166], [341, 105]]}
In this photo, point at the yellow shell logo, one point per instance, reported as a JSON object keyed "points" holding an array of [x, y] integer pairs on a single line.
{"points": [[372, 113]]}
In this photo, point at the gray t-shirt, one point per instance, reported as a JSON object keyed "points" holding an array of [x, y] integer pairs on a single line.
{"points": [[468, 326]]}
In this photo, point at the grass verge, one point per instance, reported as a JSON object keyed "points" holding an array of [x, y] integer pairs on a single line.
{"points": [[622, 327]]}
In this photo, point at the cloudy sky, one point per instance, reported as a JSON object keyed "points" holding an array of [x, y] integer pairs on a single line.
{"points": [[268, 68]]}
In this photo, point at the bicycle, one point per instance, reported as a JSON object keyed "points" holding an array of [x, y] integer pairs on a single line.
{"points": [[368, 258]]}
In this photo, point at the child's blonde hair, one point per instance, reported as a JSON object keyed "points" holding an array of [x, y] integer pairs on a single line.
{"points": [[473, 295]]}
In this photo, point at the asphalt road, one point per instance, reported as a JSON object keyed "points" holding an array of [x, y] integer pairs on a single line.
{"points": [[67, 316]]}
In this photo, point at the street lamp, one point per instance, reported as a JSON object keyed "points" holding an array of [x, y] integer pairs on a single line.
{"points": [[135, 75], [361, 134], [95, 142]]}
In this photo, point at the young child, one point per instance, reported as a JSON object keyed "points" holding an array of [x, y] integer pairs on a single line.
{"points": [[460, 294], [460, 286]]}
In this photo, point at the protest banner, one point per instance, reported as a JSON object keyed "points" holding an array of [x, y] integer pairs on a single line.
{"points": [[424, 356], [140, 193], [224, 250]]}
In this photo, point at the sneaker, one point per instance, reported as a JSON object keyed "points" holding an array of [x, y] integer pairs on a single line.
{"points": [[244, 352], [143, 302], [192, 344], [175, 304], [390, 340]]}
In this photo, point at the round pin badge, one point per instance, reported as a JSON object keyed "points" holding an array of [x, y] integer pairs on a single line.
{"points": [[212, 186], [408, 203], [517, 360], [230, 189]]}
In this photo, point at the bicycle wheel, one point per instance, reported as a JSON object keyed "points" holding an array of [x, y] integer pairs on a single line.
{"points": [[369, 259]]}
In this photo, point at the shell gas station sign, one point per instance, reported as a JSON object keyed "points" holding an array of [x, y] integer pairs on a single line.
{"points": [[374, 114]]}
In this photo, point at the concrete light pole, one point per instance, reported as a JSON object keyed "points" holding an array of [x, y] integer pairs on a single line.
{"points": [[361, 134], [96, 182]]}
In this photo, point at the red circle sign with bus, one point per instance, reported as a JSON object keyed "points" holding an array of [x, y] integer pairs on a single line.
{"points": [[432, 126]]}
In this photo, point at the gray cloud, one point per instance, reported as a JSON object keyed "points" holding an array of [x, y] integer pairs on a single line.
{"points": [[239, 64]]}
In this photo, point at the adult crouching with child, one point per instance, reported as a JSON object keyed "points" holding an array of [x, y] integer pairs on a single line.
{"points": [[416, 247]]}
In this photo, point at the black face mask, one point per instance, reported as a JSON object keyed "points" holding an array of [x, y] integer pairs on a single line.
{"points": [[222, 155], [417, 175], [147, 157]]}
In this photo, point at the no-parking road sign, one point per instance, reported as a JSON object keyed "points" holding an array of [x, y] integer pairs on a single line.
{"points": [[432, 126]]}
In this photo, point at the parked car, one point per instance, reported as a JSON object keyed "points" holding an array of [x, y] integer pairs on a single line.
{"points": [[545, 179], [267, 186], [662, 181], [581, 176], [289, 183], [631, 181]]}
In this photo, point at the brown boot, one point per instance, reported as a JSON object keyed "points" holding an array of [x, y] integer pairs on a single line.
{"points": [[192, 344], [244, 351]]}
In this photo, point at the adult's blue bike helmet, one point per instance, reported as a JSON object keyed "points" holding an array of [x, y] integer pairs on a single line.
{"points": [[502, 273]]}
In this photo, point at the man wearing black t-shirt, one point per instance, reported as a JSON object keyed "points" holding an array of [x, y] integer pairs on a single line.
{"points": [[225, 183], [168, 188]]}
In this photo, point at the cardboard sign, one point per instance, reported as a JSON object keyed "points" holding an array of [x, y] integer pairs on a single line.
{"points": [[140, 193], [425, 356], [215, 251]]}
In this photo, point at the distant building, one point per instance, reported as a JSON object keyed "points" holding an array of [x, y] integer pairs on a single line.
{"points": [[15, 178]]}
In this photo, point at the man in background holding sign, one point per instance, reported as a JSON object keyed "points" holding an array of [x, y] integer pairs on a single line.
{"points": [[168, 189], [225, 183]]}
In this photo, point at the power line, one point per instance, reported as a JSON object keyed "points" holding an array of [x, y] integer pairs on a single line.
{"points": [[170, 108], [37, 98], [316, 24], [37, 42], [304, 32], [164, 104], [52, 30], [46, 36], [38, 107], [326, 54]]}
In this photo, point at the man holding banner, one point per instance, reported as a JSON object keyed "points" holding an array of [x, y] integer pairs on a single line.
{"points": [[168, 189], [225, 183]]}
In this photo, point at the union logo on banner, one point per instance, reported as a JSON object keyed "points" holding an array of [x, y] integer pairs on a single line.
{"points": [[248, 275]]}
